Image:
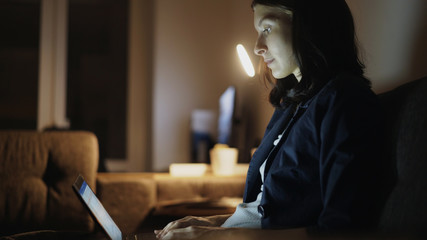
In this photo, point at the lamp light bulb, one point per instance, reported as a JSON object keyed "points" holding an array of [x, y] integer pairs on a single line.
{"points": [[245, 60]]}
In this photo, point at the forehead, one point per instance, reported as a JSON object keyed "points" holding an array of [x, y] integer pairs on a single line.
{"points": [[263, 12]]}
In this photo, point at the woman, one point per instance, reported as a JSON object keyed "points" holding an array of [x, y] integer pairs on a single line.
{"points": [[315, 168]]}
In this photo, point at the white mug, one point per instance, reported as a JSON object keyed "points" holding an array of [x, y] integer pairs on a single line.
{"points": [[223, 160]]}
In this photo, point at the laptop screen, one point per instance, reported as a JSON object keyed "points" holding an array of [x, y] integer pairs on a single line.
{"points": [[98, 211]]}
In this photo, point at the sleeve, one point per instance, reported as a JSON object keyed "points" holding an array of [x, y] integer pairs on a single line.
{"points": [[349, 159]]}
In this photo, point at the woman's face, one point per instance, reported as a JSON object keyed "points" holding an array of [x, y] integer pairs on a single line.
{"points": [[274, 41]]}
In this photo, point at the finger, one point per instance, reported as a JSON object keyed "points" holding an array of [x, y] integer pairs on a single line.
{"points": [[177, 224], [192, 232], [175, 234], [157, 233], [160, 234], [169, 226]]}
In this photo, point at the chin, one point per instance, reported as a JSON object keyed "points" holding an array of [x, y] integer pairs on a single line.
{"points": [[279, 76], [276, 75], [280, 73]]}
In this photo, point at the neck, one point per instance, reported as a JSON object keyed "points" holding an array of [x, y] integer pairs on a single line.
{"points": [[297, 74]]}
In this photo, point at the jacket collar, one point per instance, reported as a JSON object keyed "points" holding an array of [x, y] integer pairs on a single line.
{"points": [[253, 180]]}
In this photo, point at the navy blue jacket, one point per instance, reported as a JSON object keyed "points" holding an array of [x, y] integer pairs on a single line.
{"points": [[322, 174]]}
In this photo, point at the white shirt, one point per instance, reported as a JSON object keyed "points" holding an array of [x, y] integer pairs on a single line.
{"points": [[246, 214]]}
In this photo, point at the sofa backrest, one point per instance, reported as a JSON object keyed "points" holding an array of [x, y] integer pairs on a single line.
{"points": [[37, 170], [405, 109]]}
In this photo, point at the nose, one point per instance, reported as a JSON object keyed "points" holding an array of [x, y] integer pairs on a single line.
{"points": [[260, 47]]}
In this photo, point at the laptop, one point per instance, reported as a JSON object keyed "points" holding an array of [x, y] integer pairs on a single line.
{"points": [[100, 215]]}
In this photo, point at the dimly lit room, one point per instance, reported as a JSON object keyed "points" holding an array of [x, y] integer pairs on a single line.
{"points": [[158, 108]]}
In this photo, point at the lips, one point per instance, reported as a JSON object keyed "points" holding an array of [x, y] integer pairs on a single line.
{"points": [[268, 61]]}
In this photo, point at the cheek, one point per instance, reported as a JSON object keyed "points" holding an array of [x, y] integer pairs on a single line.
{"points": [[285, 55], [287, 45], [286, 39]]}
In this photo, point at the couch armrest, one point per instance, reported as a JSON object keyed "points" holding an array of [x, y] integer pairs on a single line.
{"points": [[128, 197]]}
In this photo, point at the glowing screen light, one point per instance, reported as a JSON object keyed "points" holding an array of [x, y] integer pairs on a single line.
{"points": [[245, 60]]}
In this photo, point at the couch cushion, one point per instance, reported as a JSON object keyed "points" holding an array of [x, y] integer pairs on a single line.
{"points": [[37, 171], [128, 198], [406, 147]]}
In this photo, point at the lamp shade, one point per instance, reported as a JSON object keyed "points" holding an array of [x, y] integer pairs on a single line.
{"points": [[245, 60]]}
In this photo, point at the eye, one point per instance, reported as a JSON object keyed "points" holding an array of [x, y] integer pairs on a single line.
{"points": [[267, 30]]}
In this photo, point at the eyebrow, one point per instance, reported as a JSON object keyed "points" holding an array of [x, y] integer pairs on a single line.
{"points": [[268, 17], [276, 16]]}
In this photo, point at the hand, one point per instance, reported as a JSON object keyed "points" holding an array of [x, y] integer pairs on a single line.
{"points": [[184, 223], [191, 232]]}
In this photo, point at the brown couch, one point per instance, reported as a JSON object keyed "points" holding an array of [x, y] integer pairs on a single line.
{"points": [[37, 170], [35, 175]]}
